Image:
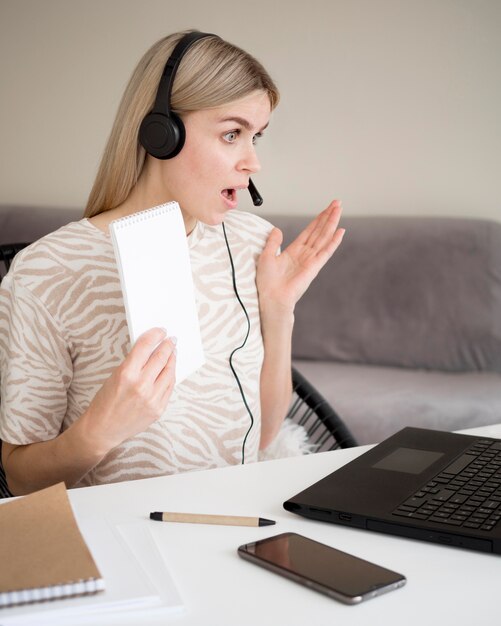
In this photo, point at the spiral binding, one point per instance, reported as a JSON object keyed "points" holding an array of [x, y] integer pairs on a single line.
{"points": [[146, 214], [53, 592]]}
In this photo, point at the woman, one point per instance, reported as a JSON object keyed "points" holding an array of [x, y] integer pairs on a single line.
{"points": [[78, 404]]}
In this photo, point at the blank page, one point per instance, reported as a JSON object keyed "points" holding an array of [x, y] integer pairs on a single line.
{"points": [[152, 255]]}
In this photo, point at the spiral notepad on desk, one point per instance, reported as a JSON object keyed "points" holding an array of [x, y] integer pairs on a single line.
{"points": [[42, 552], [152, 255]]}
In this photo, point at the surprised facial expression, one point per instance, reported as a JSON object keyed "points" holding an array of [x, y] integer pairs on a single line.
{"points": [[217, 159]]}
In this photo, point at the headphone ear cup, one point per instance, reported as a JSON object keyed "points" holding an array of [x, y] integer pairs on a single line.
{"points": [[162, 136]]}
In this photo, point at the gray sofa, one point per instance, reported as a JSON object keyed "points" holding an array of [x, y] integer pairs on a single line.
{"points": [[403, 327]]}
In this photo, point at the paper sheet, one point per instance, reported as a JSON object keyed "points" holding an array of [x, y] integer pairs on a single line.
{"points": [[153, 259]]}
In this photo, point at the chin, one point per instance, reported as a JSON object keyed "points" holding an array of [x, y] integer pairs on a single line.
{"points": [[214, 220]]}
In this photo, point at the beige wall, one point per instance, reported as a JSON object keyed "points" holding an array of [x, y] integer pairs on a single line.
{"points": [[392, 105]]}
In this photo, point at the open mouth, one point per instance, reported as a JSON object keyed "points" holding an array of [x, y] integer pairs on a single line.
{"points": [[230, 194], [230, 197]]}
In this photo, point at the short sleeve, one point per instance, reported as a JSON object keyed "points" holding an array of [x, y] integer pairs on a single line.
{"points": [[251, 229], [35, 367]]}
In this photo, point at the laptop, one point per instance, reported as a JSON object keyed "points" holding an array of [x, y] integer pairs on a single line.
{"points": [[419, 483]]}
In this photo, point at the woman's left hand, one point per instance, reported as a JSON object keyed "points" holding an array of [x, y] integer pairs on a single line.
{"points": [[281, 280]]}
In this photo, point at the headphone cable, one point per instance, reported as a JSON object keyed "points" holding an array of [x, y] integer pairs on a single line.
{"points": [[239, 347]]}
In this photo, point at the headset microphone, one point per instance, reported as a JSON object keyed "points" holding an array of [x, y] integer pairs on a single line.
{"points": [[257, 199]]}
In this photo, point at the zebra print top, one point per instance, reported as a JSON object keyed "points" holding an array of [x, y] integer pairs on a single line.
{"points": [[63, 330]]}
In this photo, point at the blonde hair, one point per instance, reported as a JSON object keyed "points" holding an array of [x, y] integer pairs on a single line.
{"points": [[212, 73]]}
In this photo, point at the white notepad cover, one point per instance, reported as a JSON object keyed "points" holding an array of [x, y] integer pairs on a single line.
{"points": [[152, 255]]}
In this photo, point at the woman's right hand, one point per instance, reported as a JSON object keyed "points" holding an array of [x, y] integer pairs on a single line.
{"points": [[135, 395]]}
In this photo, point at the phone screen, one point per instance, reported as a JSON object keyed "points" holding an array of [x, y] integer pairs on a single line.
{"points": [[341, 575]]}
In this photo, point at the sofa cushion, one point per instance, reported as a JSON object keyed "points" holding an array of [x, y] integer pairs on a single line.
{"points": [[418, 292], [375, 402]]}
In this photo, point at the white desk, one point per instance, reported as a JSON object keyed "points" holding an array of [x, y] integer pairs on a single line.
{"points": [[445, 585]]}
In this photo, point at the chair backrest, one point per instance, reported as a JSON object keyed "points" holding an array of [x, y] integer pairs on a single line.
{"points": [[7, 253], [4, 489], [325, 428]]}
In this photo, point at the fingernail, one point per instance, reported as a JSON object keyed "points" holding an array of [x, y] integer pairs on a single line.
{"points": [[174, 340]]}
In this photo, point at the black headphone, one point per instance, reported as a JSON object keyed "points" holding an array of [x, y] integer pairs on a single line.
{"points": [[162, 133]]}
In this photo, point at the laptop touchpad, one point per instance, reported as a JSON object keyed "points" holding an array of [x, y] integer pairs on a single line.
{"points": [[408, 460]]}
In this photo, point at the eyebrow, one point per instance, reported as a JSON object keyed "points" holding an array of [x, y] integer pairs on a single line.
{"points": [[242, 121]]}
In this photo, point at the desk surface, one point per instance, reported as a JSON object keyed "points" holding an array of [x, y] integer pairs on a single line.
{"points": [[445, 585]]}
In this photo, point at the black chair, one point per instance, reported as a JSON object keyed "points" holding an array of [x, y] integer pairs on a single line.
{"points": [[325, 428], [4, 489], [7, 253]]}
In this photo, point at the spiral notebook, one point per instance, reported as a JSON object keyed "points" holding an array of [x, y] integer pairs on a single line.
{"points": [[43, 555], [151, 250]]}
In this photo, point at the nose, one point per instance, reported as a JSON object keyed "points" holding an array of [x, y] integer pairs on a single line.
{"points": [[249, 161]]}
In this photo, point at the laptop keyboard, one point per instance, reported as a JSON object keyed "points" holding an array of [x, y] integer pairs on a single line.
{"points": [[465, 494]]}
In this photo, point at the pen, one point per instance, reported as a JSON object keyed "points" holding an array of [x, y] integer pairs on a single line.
{"points": [[195, 518]]}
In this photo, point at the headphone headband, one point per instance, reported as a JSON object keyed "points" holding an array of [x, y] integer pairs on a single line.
{"points": [[162, 100]]}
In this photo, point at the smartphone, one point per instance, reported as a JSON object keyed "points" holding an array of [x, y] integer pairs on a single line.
{"points": [[337, 574]]}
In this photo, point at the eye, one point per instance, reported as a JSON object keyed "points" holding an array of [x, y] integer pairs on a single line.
{"points": [[231, 136], [256, 138]]}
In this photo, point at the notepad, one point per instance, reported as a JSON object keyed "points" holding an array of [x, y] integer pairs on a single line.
{"points": [[153, 260], [139, 586], [43, 555]]}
